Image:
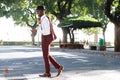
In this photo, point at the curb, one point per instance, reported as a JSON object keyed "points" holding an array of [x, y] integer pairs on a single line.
{"points": [[87, 51]]}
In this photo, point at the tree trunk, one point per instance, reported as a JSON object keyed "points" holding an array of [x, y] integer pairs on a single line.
{"points": [[33, 37], [104, 29], [65, 32], [72, 38], [104, 38], [114, 17], [34, 31], [71, 35], [117, 38], [96, 37]]}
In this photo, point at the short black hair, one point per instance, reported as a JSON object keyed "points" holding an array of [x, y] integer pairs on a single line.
{"points": [[40, 8]]}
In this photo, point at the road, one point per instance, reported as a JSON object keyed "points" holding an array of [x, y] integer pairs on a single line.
{"points": [[26, 63]]}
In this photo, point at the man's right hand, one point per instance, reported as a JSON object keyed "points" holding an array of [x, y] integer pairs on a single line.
{"points": [[34, 30]]}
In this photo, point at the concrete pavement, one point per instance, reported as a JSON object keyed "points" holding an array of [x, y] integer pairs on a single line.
{"points": [[26, 63]]}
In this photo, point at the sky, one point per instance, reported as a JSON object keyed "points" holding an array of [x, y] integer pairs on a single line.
{"points": [[11, 32]]}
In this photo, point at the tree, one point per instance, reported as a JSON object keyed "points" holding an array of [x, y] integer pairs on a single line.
{"points": [[112, 11], [59, 8], [95, 10], [98, 13], [73, 23], [22, 12]]}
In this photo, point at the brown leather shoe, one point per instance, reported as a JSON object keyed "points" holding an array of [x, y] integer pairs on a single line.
{"points": [[60, 70], [45, 75]]}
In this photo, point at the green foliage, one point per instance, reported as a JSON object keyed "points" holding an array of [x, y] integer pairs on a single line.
{"points": [[86, 24], [80, 22], [93, 8], [22, 11], [90, 31], [115, 3], [115, 7]]}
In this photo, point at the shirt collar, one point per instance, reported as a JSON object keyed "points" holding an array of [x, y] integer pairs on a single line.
{"points": [[43, 17]]}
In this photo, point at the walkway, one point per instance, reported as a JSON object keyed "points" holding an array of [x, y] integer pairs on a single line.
{"points": [[26, 63]]}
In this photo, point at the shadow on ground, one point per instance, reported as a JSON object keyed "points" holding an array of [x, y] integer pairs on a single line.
{"points": [[72, 61]]}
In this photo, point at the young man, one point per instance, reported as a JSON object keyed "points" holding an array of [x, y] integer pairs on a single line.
{"points": [[48, 36]]}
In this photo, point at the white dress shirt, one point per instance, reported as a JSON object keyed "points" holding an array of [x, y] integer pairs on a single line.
{"points": [[44, 27]]}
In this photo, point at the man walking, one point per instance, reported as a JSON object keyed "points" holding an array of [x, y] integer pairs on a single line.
{"points": [[48, 36]]}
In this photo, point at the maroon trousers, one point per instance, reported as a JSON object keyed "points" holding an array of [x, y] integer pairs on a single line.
{"points": [[46, 41]]}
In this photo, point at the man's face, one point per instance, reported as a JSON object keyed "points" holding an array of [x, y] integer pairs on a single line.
{"points": [[39, 12]]}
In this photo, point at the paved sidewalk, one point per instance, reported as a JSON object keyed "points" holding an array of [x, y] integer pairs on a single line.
{"points": [[26, 63]]}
